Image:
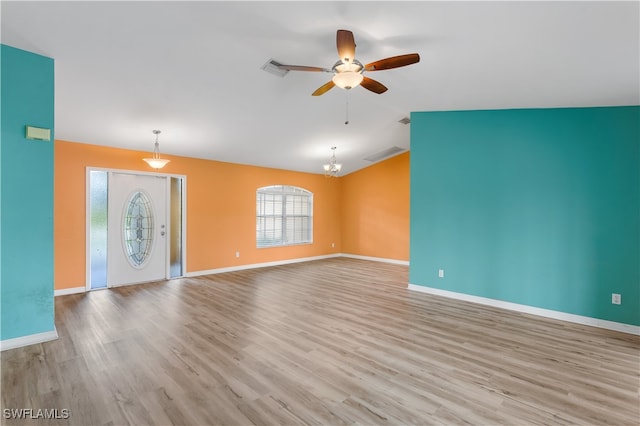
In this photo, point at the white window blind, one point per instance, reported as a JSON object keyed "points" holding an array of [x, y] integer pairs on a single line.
{"points": [[284, 216]]}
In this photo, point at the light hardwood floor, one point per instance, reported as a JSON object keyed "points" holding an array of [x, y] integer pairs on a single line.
{"points": [[331, 342]]}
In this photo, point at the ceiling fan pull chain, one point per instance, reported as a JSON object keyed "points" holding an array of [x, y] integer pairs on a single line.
{"points": [[346, 113]]}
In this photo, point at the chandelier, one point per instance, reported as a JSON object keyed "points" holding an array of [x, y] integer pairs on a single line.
{"points": [[156, 162], [333, 168]]}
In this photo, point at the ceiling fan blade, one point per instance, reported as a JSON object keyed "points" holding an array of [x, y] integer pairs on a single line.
{"points": [[324, 88], [374, 86], [346, 45], [393, 62], [302, 68]]}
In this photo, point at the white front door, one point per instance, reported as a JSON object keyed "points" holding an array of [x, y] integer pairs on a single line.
{"points": [[137, 229]]}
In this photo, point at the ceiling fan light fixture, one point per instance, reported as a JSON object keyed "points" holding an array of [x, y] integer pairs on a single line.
{"points": [[347, 75], [156, 162], [347, 80]]}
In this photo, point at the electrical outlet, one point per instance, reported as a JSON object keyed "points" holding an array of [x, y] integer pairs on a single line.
{"points": [[616, 298], [333, 245], [440, 273], [237, 254]]}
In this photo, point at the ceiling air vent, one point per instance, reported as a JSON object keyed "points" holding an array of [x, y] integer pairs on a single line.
{"points": [[273, 67], [384, 154], [405, 120]]}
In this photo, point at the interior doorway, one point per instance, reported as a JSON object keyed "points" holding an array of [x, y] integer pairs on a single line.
{"points": [[135, 227]]}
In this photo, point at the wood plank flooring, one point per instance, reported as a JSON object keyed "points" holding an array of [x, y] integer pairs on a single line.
{"points": [[332, 342]]}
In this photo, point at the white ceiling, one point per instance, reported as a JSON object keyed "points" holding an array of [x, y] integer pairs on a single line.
{"points": [[193, 70]]}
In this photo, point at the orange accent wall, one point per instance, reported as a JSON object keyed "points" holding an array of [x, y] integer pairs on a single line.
{"points": [[220, 209], [375, 210]]}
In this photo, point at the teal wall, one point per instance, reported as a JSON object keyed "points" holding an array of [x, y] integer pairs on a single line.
{"points": [[26, 195], [539, 207]]}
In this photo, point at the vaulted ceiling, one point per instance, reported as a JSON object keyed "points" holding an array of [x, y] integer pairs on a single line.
{"points": [[194, 70]]}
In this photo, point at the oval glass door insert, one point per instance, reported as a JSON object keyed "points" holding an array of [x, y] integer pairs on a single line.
{"points": [[138, 228]]}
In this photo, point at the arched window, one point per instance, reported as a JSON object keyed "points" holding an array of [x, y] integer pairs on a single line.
{"points": [[284, 216]]}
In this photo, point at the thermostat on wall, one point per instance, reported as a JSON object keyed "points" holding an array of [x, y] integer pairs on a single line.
{"points": [[38, 133]]}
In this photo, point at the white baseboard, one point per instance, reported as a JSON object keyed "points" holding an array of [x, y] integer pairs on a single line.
{"points": [[31, 339], [65, 291], [547, 313], [258, 265], [376, 259]]}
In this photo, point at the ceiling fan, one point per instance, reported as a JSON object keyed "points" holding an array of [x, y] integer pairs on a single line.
{"points": [[348, 71]]}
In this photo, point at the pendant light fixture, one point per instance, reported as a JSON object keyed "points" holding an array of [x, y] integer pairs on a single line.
{"points": [[156, 162], [333, 168]]}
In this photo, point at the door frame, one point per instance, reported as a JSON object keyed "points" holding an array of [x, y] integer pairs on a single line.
{"points": [[87, 215]]}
